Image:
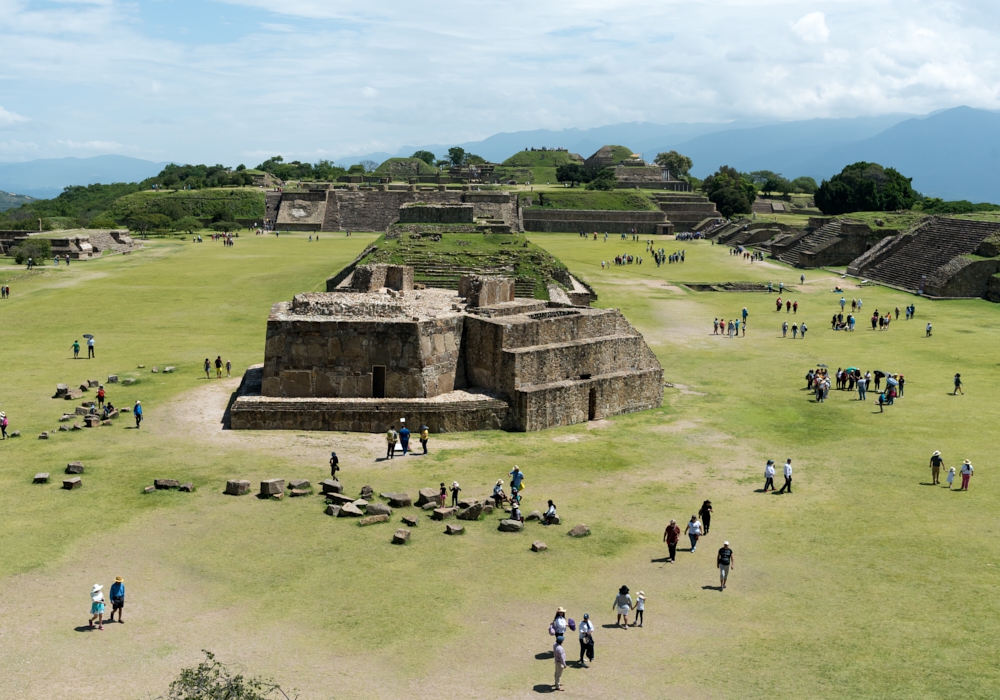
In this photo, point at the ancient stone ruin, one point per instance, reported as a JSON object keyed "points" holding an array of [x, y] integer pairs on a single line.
{"points": [[376, 350]]}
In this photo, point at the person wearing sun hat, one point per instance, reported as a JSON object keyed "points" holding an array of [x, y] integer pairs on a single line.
{"points": [[97, 606], [117, 594], [966, 475], [3, 425], [137, 413], [640, 608], [936, 463], [559, 622]]}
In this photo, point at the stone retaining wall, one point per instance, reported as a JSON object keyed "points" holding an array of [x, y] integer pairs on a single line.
{"points": [[573, 220]]}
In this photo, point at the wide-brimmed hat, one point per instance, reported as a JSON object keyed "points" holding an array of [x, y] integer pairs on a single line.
{"points": [[119, 579], [454, 484], [96, 588], [640, 594], [968, 462], [936, 453], [2, 414], [560, 609], [499, 482]]}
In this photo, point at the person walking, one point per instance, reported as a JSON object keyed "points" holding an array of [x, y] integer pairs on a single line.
{"points": [[334, 465], [951, 477], [622, 605], [586, 640], [516, 478], [795, 330], [671, 535], [788, 478], [958, 385], [455, 488], [559, 654], [693, 531], [390, 440], [218, 367], [424, 436], [229, 369], [706, 515], [769, 475], [966, 475], [117, 593], [803, 329], [208, 368], [97, 606], [784, 329], [76, 349], [725, 562], [3, 425], [90, 348], [137, 412], [442, 494], [640, 608], [928, 330], [404, 437], [936, 463]]}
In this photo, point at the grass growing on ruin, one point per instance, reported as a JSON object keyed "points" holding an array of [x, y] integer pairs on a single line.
{"points": [[864, 583], [579, 198]]}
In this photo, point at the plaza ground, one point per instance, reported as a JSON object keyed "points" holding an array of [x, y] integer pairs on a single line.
{"points": [[865, 583]]}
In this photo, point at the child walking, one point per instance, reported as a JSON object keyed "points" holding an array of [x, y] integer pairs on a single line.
{"points": [[951, 477], [640, 607], [97, 606]]}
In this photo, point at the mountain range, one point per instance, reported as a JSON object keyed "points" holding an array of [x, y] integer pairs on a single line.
{"points": [[952, 154]]}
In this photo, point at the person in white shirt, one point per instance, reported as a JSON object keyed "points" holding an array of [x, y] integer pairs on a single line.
{"points": [[586, 639], [769, 475], [788, 477], [693, 531]]}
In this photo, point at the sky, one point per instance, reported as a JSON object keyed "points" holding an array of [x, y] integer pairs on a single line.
{"points": [[237, 81]]}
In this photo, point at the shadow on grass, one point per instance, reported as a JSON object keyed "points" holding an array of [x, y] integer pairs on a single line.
{"points": [[544, 688], [544, 655], [711, 588], [85, 628], [663, 560]]}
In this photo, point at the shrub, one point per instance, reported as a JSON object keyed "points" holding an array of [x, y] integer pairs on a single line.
{"points": [[211, 680], [865, 187], [38, 249]]}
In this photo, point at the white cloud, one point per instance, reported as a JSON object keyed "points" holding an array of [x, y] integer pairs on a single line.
{"points": [[8, 118], [812, 28], [369, 92]]}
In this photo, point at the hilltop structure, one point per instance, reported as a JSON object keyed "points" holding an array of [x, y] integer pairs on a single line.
{"points": [[377, 349]]}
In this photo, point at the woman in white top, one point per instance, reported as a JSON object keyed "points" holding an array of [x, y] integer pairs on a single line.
{"points": [[559, 623], [97, 606], [693, 531], [966, 475], [622, 605]]}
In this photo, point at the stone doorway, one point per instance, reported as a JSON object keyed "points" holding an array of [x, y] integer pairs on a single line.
{"points": [[592, 407], [378, 382]]}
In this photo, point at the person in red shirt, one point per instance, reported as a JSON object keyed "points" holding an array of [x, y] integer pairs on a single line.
{"points": [[100, 396], [795, 307], [671, 535]]}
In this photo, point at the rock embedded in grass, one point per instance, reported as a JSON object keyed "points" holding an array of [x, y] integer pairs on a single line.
{"points": [[149, 489], [425, 496], [538, 546], [510, 526], [61, 391], [93, 383], [579, 531], [237, 487], [533, 515], [330, 486], [297, 493], [454, 530], [411, 520], [339, 499], [349, 510], [443, 513], [372, 519], [473, 512], [166, 483], [399, 500], [41, 478], [272, 487], [401, 536], [299, 484], [332, 510], [112, 379], [186, 487], [378, 509], [74, 482], [431, 505], [74, 468]]}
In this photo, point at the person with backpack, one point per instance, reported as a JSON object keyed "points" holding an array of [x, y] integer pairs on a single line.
{"points": [[137, 412], [100, 396], [725, 562], [586, 640], [334, 465]]}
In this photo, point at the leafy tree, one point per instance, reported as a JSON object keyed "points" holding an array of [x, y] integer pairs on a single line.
{"points": [[240, 168], [678, 165], [225, 226], [212, 680], [443, 163], [189, 224], [102, 221], [573, 173], [38, 249], [604, 179], [865, 187], [368, 165], [425, 156], [456, 155], [731, 191], [356, 169], [473, 159], [806, 185]]}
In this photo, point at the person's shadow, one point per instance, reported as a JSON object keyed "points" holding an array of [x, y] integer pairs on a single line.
{"points": [[84, 628], [545, 655], [927, 483], [544, 688], [711, 588]]}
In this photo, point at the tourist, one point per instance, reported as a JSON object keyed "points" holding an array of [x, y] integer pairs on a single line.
{"points": [[725, 562], [90, 347], [66, 257], [802, 279], [795, 330], [559, 623], [498, 495], [117, 593], [76, 349], [882, 401], [455, 488], [951, 477], [784, 329], [97, 606], [640, 608], [803, 330], [843, 303], [901, 381], [929, 329], [137, 412], [862, 384], [218, 367], [515, 496], [515, 508], [516, 478], [788, 477], [586, 640], [966, 475], [550, 516], [897, 313], [936, 463], [442, 494], [100, 396], [671, 535], [769, 475], [559, 654], [693, 531], [777, 304], [3, 425], [404, 437], [795, 307], [334, 465], [229, 366], [706, 515], [745, 314], [208, 368], [390, 440], [715, 327], [622, 605], [958, 385], [788, 307]]}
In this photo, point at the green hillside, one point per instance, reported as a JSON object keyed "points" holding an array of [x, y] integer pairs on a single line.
{"points": [[9, 200], [399, 168], [532, 159], [621, 152], [215, 204], [615, 200]]}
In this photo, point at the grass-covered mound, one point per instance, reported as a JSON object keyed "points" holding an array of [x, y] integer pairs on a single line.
{"points": [[216, 204], [616, 200], [532, 159], [401, 168]]}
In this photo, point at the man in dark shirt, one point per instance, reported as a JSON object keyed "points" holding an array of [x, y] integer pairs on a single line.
{"points": [[725, 562], [671, 535], [937, 461]]}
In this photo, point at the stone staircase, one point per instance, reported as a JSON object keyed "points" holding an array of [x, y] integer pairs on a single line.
{"points": [[685, 211], [107, 243], [934, 244], [445, 275], [787, 250]]}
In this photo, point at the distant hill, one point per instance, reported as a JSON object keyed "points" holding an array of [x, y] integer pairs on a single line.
{"points": [[9, 200], [550, 158], [47, 178]]}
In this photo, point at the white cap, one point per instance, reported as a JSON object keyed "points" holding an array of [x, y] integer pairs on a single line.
{"points": [[726, 544]]}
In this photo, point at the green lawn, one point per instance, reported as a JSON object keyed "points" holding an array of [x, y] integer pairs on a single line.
{"points": [[865, 583]]}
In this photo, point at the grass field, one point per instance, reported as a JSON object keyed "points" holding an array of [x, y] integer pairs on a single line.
{"points": [[865, 583]]}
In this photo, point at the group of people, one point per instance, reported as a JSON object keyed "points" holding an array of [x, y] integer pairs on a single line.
{"points": [[402, 436], [769, 472], [790, 306], [97, 603], [795, 328], [625, 259], [218, 368], [549, 517], [55, 259], [5, 292], [937, 463], [90, 348]]}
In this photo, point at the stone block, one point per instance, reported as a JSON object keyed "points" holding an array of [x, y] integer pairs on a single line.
{"points": [[295, 493], [338, 498], [93, 383], [510, 526], [538, 546], [330, 486], [427, 496], [430, 505], [61, 390], [399, 500], [106, 422], [16, 433], [155, 370], [367, 492], [454, 530], [169, 369], [92, 421], [186, 487], [332, 510], [411, 520], [166, 483], [129, 381], [74, 468], [41, 478], [401, 536], [65, 417], [113, 414], [533, 515], [299, 484], [487, 509], [443, 513], [271, 487], [378, 509], [149, 489], [276, 496], [73, 395], [473, 512], [579, 531], [237, 487], [81, 411], [372, 519], [349, 510], [76, 426], [84, 387], [360, 503], [63, 428], [112, 379], [74, 482]]}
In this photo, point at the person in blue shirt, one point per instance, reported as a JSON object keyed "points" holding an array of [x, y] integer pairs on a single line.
{"points": [[404, 437], [516, 477], [137, 412], [117, 594]]}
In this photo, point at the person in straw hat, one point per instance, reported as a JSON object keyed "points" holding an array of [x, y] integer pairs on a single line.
{"points": [[559, 622], [936, 463], [3, 425], [622, 605], [966, 475], [640, 608], [117, 594], [97, 606]]}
